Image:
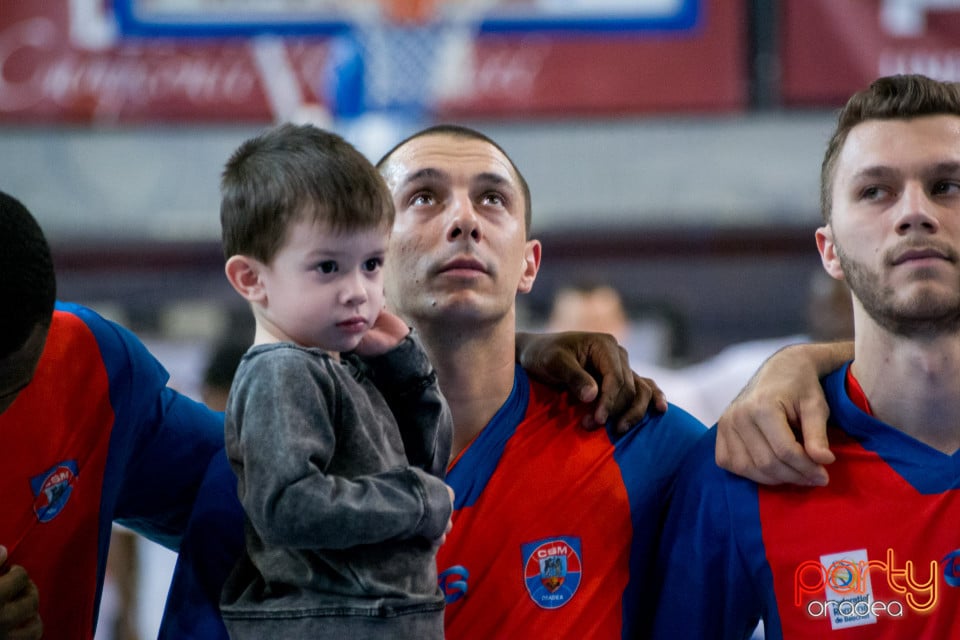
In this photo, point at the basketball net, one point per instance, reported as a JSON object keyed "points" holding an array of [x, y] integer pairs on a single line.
{"points": [[408, 56]]}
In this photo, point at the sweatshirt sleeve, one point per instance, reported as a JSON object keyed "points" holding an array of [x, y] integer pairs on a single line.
{"points": [[281, 440], [409, 384]]}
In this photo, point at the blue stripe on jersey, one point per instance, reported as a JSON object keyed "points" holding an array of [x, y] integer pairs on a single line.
{"points": [[648, 457]]}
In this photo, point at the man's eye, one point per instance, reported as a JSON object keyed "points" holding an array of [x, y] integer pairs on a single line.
{"points": [[494, 198], [873, 193], [327, 266], [946, 188], [422, 199]]}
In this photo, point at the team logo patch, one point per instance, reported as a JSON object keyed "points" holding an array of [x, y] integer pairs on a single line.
{"points": [[52, 489], [552, 570], [951, 568]]}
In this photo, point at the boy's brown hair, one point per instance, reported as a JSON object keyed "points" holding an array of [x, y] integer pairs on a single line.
{"points": [[296, 172]]}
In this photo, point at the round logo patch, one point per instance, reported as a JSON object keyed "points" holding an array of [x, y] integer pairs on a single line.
{"points": [[52, 489], [552, 570]]}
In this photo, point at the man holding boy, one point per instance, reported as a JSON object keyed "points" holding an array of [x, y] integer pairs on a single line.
{"points": [[91, 434], [874, 554], [214, 533], [555, 526]]}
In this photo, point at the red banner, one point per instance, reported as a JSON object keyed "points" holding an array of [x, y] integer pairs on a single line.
{"points": [[833, 48], [64, 61]]}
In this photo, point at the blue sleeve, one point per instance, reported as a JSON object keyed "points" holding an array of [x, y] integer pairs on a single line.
{"points": [[211, 546], [649, 456], [711, 558], [161, 442]]}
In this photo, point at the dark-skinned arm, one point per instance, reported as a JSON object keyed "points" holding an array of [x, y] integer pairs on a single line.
{"points": [[576, 360]]}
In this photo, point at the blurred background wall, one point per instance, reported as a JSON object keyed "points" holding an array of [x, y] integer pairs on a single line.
{"points": [[672, 146]]}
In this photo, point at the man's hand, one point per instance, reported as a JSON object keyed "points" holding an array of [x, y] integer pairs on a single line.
{"points": [[755, 435], [19, 603], [575, 360]]}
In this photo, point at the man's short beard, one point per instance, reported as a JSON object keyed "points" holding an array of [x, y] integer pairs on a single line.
{"points": [[923, 315]]}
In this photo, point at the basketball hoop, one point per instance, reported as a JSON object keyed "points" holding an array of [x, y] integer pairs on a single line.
{"points": [[405, 58]]}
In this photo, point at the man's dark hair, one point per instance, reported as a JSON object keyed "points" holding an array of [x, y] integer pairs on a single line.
{"points": [[28, 286]]}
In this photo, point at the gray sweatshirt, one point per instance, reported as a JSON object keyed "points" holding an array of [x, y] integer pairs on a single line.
{"points": [[340, 468]]}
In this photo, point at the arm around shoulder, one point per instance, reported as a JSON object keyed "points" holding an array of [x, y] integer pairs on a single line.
{"points": [[756, 434]]}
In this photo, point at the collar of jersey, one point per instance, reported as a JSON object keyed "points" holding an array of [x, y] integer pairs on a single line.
{"points": [[474, 467], [928, 470]]}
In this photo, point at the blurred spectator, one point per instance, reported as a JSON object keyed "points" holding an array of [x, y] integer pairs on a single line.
{"points": [[221, 367], [706, 388], [720, 378], [592, 305], [589, 306]]}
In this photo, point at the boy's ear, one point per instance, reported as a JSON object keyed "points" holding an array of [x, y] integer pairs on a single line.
{"points": [[243, 273]]}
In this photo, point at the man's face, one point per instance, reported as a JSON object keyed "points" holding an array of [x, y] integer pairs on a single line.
{"points": [[17, 369], [459, 248], [894, 233]]}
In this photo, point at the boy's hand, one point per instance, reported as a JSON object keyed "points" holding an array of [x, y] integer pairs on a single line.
{"points": [[385, 334], [449, 527], [19, 603], [577, 360]]}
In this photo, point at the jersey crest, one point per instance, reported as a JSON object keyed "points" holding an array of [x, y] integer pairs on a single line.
{"points": [[552, 570], [52, 489]]}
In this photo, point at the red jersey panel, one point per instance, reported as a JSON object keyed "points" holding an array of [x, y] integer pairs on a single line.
{"points": [[554, 525], [874, 554], [96, 436], [868, 554], [56, 435]]}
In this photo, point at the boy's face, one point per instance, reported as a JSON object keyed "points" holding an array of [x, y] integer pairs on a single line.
{"points": [[17, 368], [324, 289]]}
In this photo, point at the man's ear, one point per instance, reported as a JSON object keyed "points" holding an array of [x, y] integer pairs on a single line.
{"points": [[243, 273], [531, 265], [827, 247]]}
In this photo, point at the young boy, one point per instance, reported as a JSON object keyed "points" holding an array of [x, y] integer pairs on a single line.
{"points": [[340, 456]]}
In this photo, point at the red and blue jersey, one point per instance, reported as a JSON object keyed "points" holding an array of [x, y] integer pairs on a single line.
{"points": [[555, 527], [95, 437], [875, 554]]}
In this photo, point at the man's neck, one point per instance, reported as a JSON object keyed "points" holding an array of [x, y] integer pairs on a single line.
{"points": [[913, 385], [475, 368]]}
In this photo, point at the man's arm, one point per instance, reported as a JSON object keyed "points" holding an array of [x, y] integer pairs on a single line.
{"points": [[756, 434], [706, 583], [575, 360]]}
